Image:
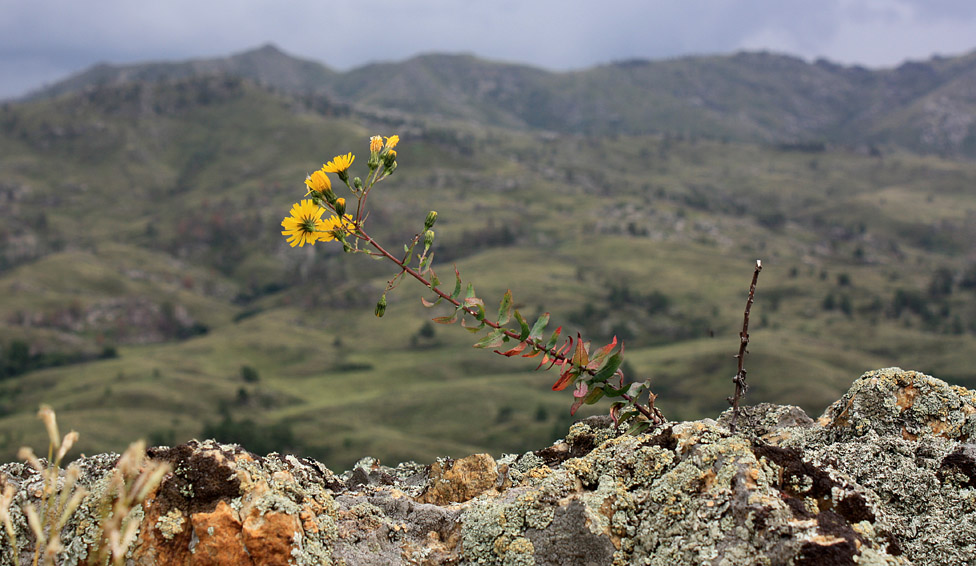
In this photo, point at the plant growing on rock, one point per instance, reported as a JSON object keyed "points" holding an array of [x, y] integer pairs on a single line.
{"points": [[593, 372]]}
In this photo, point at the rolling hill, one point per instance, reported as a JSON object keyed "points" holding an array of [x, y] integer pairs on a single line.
{"points": [[145, 288]]}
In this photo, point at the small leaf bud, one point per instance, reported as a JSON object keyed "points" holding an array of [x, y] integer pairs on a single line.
{"points": [[381, 306], [431, 218]]}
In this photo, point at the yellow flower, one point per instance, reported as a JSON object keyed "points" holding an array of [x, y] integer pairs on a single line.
{"points": [[392, 141], [375, 144], [339, 164], [334, 224], [305, 225], [318, 181]]}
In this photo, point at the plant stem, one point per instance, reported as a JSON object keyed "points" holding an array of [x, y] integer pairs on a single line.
{"points": [[652, 414], [740, 375]]}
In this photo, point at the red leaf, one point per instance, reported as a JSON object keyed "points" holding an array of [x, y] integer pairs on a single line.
{"points": [[576, 405], [602, 353], [565, 379], [580, 357], [514, 351]]}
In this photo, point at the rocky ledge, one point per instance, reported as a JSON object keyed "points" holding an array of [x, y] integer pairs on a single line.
{"points": [[886, 476]]}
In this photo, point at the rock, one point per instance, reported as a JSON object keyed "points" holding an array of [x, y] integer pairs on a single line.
{"points": [[457, 481], [886, 476]]}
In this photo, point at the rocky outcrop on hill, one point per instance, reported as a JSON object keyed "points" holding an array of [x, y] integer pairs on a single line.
{"points": [[886, 476]]}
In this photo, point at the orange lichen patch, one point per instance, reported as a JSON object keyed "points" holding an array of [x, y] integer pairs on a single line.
{"points": [[460, 480], [268, 538], [905, 397], [166, 541], [752, 478], [939, 428], [307, 516], [219, 539], [907, 435]]}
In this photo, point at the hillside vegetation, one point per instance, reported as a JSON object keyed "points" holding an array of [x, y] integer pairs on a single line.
{"points": [[145, 288]]}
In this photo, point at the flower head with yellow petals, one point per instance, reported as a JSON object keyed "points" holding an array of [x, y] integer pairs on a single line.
{"points": [[339, 163], [305, 225], [375, 144], [318, 181]]}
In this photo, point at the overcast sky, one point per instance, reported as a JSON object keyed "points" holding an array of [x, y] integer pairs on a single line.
{"points": [[42, 41]]}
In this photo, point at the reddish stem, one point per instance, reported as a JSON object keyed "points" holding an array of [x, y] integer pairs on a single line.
{"points": [[652, 413]]}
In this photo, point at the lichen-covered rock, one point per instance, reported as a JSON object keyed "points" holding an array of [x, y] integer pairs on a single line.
{"points": [[886, 476]]}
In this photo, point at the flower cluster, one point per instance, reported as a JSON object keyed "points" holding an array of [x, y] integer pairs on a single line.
{"points": [[305, 224]]}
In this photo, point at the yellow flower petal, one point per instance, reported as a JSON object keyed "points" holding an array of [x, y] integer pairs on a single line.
{"points": [[318, 181], [339, 163], [304, 225]]}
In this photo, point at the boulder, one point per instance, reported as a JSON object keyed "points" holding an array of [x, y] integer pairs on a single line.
{"points": [[886, 476]]}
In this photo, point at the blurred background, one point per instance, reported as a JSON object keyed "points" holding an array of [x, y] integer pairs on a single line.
{"points": [[620, 168]]}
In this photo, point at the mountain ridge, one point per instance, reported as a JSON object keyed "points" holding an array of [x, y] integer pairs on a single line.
{"points": [[927, 106]]}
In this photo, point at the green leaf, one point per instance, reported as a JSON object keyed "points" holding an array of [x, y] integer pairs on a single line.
{"points": [[524, 326], [639, 427], [466, 326], [469, 294], [505, 309], [593, 396], [626, 416], [539, 326], [552, 340], [425, 262], [608, 369], [494, 339], [457, 284]]}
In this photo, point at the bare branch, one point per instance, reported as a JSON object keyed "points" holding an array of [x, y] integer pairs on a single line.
{"points": [[740, 376]]}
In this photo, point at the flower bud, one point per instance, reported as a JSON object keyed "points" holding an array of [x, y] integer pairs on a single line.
{"points": [[374, 161], [389, 158], [431, 218], [381, 306], [357, 184], [375, 144], [340, 206], [428, 239]]}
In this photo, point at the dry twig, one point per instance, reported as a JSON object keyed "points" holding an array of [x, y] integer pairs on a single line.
{"points": [[740, 376]]}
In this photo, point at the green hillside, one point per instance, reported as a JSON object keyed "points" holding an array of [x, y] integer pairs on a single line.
{"points": [[145, 289]]}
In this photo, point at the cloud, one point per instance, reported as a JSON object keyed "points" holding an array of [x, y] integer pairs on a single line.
{"points": [[45, 40]]}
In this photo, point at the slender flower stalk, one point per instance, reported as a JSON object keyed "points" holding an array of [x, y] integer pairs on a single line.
{"points": [[595, 373]]}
